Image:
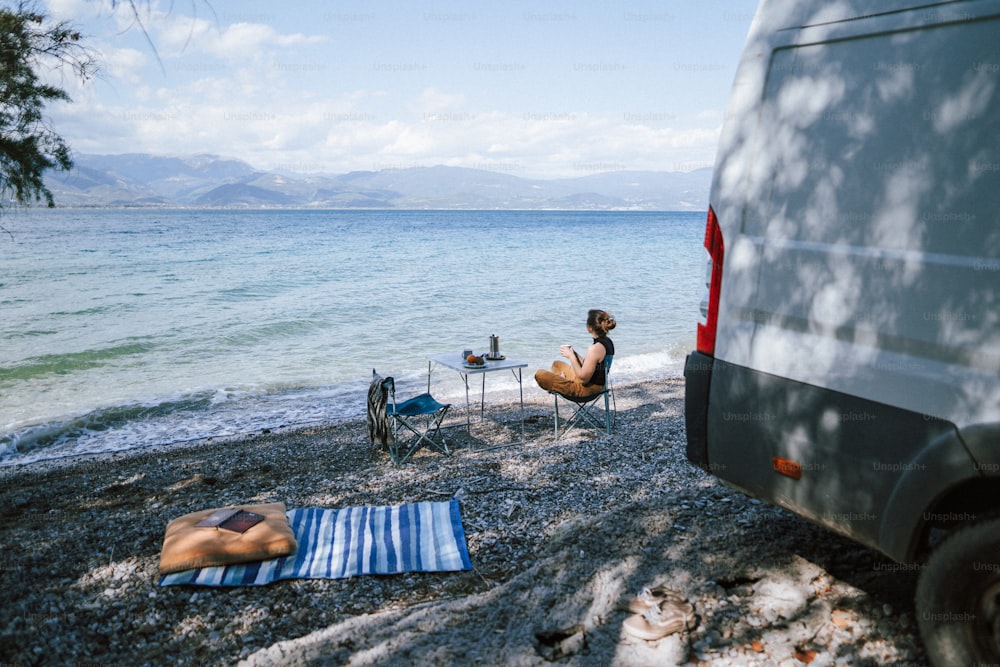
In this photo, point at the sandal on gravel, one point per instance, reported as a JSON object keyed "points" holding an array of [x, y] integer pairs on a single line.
{"points": [[649, 597], [659, 621]]}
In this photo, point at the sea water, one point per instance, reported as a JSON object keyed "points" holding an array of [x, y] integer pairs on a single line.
{"points": [[121, 329]]}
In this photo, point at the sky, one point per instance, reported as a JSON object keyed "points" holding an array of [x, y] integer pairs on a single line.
{"points": [[544, 89]]}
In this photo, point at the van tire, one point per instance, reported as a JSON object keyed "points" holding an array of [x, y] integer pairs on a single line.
{"points": [[958, 597]]}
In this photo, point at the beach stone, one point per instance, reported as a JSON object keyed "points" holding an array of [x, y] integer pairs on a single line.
{"points": [[529, 512]]}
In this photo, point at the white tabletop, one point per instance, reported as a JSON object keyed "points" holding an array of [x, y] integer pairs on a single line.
{"points": [[456, 361]]}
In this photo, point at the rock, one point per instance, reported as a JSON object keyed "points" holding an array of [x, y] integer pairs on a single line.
{"points": [[779, 598]]}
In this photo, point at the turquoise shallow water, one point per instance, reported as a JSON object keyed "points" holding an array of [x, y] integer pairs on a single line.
{"points": [[126, 328]]}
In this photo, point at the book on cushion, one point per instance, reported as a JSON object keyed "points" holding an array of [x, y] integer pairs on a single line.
{"points": [[187, 546]]}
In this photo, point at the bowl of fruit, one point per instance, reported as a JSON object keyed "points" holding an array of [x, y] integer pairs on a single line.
{"points": [[474, 361]]}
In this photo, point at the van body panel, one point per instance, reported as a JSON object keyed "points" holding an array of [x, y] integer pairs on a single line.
{"points": [[981, 440], [942, 465], [857, 187], [848, 367], [874, 167], [852, 453]]}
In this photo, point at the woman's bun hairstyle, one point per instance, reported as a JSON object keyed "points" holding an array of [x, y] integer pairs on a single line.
{"points": [[600, 321]]}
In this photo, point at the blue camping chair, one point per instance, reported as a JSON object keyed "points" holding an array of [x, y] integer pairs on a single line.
{"points": [[386, 418], [586, 410]]}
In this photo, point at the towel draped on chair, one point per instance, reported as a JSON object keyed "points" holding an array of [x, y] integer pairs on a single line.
{"points": [[379, 430]]}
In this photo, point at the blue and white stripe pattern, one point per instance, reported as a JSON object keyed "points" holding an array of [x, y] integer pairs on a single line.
{"points": [[334, 544]]}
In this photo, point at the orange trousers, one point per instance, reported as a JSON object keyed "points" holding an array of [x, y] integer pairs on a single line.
{"points": [[563, 379]]}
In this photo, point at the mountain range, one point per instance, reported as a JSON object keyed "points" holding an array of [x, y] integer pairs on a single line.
{"points": [[212, 181]]}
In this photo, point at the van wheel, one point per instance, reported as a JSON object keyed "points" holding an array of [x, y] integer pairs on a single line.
{"points": [[958, 598]]}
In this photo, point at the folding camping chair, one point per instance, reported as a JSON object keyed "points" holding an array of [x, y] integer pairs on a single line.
{"points": [[584, 409], [386, 418]]}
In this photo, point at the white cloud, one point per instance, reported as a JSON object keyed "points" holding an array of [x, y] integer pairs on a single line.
{"points": [[432, 102], [235, 43], [124, 65], [63, 9], [352, 131], [245, 90]]}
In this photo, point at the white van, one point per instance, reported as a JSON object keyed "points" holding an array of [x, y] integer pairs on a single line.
{"points": [[848, 361]]}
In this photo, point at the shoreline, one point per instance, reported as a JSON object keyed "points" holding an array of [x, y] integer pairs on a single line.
{"points": [[502, 397], [180, 447], [560, 534]]}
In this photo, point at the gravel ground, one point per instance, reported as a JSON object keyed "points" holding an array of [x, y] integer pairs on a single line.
{"points": [[561, 534]]}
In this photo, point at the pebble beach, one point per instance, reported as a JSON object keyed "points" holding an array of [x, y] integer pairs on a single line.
{"points": [[561, 535]]}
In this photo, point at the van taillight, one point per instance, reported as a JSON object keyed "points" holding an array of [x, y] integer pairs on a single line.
{"points": [[713, 243]]}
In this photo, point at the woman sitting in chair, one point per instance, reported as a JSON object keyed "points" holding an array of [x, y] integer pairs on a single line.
{"points": [[582, 377]]}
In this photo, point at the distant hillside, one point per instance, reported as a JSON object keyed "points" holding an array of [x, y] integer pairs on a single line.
{"points": [[212, 181]]}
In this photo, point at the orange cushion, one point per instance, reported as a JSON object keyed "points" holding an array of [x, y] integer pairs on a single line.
{"points": [[186, 546]]}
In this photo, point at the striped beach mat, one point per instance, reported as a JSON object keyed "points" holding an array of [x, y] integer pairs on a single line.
{"points": [[340, 543]]}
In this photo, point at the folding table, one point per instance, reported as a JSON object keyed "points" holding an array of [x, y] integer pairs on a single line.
{"points": [[456, 362]]}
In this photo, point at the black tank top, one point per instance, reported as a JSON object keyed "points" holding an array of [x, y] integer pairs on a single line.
{"points": [[599, 376]]}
